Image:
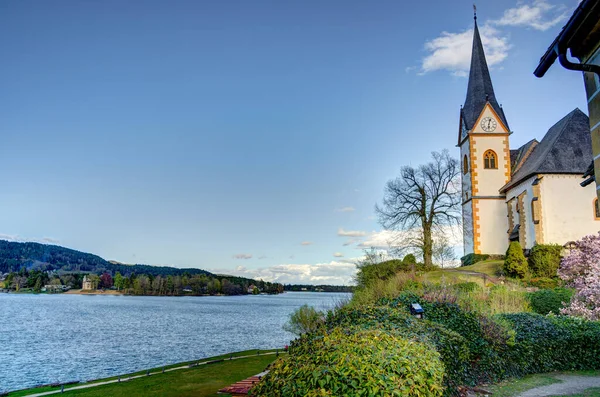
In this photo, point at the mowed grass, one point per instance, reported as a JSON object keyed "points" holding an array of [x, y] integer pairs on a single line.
{"points": [[268, 358], [491, 267], [201, 381]]}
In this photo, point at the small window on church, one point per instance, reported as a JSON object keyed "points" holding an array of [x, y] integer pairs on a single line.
{"points": [[465, 165], [596, 209], [490, 160]]}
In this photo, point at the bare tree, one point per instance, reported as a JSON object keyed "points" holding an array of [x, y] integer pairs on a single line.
{"points": [[423, 200], [443, 252]]}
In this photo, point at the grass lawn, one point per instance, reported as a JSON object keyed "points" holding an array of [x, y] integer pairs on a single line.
{"points": [[203, 380], [454, 275], [490, 267]]}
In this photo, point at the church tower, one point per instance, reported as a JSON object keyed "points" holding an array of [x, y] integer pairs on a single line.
{"points": [[485, 159]]}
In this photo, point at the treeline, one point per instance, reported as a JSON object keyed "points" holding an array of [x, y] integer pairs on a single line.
{"points": [[36, 256], [143, 284], [318, 288]]}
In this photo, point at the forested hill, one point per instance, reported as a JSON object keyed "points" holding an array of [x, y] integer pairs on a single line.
{"points": [[36, 256]]}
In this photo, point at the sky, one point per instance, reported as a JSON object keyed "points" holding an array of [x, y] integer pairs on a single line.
{"points": [[247, 137]]}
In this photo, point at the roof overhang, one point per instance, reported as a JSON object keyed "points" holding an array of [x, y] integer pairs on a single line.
{"points": [[580, 25]]}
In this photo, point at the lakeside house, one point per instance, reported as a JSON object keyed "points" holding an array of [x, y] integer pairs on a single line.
{"points": [[55, 288], [87, 283]]}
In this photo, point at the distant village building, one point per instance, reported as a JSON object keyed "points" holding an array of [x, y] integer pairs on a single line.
{"points": [[529, 194], [581, 35], [87, 283], [54, 288]]}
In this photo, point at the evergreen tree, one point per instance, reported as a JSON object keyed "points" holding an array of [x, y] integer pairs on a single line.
{"points": [[515, 263]]}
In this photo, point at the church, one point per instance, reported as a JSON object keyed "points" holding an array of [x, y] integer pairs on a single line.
{"points": [[530, 194]]}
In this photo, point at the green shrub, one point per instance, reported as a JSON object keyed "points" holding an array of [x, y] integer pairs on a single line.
{"points": [[453, 347], [471, 259], [409, 259], [543, 282], [544, 260], [547, 301], [354, 362], [545, 344], [515, 264], [470, 286], [304, 319], [369, 273]]}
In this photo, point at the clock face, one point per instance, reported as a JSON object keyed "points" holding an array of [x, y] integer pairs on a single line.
{"points": [[488, 124]]}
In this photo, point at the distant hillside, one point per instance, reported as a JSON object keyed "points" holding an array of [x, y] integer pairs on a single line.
{"points": [[35, 256]]}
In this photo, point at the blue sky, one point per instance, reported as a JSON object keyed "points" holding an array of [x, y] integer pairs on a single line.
{"points": [[246, 137]]}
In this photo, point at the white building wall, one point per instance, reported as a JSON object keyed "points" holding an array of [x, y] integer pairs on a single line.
{"points": [[567, 208], [493, 224], [466, 178], [514, 192], [468, 227]]}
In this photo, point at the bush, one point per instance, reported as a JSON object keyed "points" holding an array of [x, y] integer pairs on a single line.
{"points": [[544, 260], [354, 362], [369, 273], [304, 319], [453, 347], [550, 300], [409, 259], [545, 344], [471, 259], [543, 282], [515, 264], [470, 286]]}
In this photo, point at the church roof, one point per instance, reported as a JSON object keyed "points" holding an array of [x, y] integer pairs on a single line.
{"points": [[480, 89], [565, 149], [521, 154]]}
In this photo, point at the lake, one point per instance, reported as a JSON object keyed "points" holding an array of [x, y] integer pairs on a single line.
{"points": [[60, 338]]}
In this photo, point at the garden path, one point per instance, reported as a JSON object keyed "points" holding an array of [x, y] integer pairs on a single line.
{"points": [[570, 384]]}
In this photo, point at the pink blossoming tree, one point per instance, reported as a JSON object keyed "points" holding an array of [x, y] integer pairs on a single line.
{"points": [[581, 270]]}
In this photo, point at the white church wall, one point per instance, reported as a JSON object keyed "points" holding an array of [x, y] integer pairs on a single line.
{"points": [[567, 208], [493, 224], [529, 227], [489, 181], [466, 178], [468, 228]]}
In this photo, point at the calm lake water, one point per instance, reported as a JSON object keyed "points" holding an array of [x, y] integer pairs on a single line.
{"points": [[60, 338]]}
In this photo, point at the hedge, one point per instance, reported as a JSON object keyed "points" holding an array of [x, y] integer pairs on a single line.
{"points": [[547, 301], [354, 362], [544, 260]]}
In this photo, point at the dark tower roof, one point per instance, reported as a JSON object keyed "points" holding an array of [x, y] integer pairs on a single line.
{"points": [[480, 89]]}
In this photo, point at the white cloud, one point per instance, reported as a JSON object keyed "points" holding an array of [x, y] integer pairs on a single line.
{"points": [[306, 243], [242, 256], [539, 15], [345, 209], [333, 273], [262, 257], [350, 233], [19, 239], [338, 255], [452, 51]]}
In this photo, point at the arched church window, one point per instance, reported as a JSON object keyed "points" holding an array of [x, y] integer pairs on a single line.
{"points": [[490, 160], [596, 209], [465, 165]]}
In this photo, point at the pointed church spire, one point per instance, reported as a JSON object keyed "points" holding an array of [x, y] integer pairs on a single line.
{"points": [[480, 89]]}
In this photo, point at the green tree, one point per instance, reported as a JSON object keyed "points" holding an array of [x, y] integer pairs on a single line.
{"points": [[304, 319], [515, 263], [118, 281], [38, 285]]}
